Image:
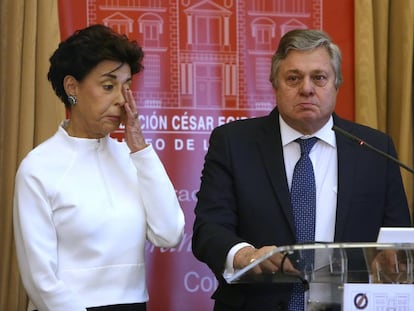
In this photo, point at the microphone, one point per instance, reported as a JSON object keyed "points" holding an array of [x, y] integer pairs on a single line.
{"points": [[363, 143]]}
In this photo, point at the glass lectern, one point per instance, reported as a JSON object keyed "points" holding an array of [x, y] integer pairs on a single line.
{"points": [[325, 269]]}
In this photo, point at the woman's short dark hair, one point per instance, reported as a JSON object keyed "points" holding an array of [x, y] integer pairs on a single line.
{"points": [[85, 49]]}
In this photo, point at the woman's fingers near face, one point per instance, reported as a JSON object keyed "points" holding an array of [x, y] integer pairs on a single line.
{"points": [[130, 107]]}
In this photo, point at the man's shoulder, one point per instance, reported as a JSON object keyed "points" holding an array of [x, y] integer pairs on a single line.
{"points": [[358, 129]]}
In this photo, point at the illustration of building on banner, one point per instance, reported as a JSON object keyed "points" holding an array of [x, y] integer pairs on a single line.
{"points": [[205, 54]]}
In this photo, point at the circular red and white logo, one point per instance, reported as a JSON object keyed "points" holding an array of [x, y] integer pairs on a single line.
{"points": [[360, 301]]}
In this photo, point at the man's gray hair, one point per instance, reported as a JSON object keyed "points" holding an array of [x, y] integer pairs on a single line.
{"points": [[305, 40]]}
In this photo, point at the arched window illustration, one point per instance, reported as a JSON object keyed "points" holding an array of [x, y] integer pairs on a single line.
{"points": [[151, 27], [263, 33]]}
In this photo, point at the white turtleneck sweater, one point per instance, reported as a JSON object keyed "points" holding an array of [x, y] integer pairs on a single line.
{"points": [[83, 209]]}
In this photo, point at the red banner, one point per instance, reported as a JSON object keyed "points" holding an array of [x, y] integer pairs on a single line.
{"points": [[206, 63]]}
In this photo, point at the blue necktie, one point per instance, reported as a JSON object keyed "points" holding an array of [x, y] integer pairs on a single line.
{"points": [[303, 199]]}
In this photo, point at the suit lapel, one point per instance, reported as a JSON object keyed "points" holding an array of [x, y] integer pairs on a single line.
{"points": [[270, 148], [347, 165]]}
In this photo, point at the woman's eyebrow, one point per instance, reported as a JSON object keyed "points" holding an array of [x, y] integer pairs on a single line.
{"points": [[115, 77]]}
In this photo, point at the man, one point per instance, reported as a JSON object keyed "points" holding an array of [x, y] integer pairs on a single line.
{"points": [[244, 206]]}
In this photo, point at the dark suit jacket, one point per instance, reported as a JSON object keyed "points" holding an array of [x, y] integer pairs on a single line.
{"points": [[244, 197]]}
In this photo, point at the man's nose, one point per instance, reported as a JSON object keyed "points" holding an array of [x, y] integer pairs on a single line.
{"points": [[307, 86]]}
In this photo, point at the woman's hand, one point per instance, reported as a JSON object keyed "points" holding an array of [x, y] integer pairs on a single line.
{"points": [[133, 132]]}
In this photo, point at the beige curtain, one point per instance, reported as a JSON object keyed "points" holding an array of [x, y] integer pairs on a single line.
{"points": [[384, 35], [29, 113]]}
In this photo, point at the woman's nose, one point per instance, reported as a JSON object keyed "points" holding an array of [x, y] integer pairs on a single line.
{"points": [[121, 98]]}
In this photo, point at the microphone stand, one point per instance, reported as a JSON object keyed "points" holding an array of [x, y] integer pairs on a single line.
{"points": [[363, 143]]}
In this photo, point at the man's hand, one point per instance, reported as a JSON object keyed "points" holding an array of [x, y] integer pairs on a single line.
{"points": [[248, 254], [389, 266]]}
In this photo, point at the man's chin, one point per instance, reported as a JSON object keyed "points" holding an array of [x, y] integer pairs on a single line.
{"points": [[309, 115]]}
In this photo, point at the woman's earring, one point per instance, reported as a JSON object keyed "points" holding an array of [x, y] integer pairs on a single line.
{"points": [[72, 100]]}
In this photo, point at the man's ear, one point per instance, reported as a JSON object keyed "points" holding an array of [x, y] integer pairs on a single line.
{"points": [[71, 85]]}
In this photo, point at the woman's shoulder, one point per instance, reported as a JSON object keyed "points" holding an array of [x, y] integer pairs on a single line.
{"points": [[45, 156]]}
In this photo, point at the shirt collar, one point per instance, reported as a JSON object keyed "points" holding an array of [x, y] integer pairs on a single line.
{"points": [[325, 134]]}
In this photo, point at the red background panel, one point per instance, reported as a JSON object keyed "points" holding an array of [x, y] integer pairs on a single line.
{"points": [[176, 280]]}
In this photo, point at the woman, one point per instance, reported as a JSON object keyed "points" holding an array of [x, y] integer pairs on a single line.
{"points": [[84, 203]]}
